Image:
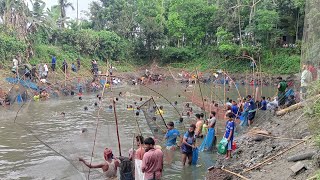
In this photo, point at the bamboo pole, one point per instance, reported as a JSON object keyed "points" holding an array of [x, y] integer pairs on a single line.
{"points": [[159, 111], [275, 137], [271, 158], [246, 84], [224, 88], [117, 127], [297, 106], [65, 76], [236, 174], [261, 78]]}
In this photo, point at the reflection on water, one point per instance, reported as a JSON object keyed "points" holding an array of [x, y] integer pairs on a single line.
{"points": [[22, 156]]}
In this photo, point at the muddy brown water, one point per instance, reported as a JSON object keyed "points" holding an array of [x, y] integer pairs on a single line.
{"points": [[22, 156]]}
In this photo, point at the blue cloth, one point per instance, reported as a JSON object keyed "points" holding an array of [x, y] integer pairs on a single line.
{"points": [[244, 119], [53, 60], [207, 143], [171, 137], [24, 83], [195, 156], [289, 93], [263, 105], [19, 99], [230, 128], [235, 111]]}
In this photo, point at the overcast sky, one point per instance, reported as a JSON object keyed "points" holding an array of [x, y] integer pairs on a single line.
{"points": [[83, 6]]}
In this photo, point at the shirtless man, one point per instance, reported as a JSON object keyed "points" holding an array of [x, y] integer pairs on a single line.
{"points": [[109, 167]]}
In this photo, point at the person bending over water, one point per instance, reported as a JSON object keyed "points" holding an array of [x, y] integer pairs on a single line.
{"points": [[109, 167], [188, 144]]}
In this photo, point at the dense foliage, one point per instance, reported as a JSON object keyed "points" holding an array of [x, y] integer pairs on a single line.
{"points": [[184, 33]]}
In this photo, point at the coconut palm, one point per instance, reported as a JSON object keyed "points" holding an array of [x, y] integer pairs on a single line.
{"points": [[64, 4]]}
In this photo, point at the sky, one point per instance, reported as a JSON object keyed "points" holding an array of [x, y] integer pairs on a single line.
{"points": [[83, 6]]}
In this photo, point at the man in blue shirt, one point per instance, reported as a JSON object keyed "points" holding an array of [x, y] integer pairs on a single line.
{"points": [[171, 136], [263, 104], [171, 143], [235, 110], [229, 133], [53, 63]]}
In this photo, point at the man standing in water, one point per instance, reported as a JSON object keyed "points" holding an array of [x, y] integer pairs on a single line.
{"points": [[171, 144], [152, 162], [188, 144], [199, 124], [171, 136], [109, 167], [140, 151]]}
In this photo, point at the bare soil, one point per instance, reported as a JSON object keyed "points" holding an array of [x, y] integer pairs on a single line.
{"points": [[253, 149]]}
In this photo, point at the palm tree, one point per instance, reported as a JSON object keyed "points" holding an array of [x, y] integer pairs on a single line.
{"points": [[64, 4]]}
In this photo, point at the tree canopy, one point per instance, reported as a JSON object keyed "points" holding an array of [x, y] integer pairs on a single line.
{"points": [[167, 31]]}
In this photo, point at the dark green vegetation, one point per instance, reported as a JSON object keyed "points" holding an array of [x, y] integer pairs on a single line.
{"points": [[207, 34]]}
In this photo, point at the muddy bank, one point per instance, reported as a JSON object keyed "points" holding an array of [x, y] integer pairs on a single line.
{"points": [[273, 145]]}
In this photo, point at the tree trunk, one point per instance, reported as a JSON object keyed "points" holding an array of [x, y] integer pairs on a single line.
{"points": [[239, 22], [297, 25]]}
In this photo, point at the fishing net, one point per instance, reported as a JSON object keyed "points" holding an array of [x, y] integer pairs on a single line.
{"points": [[17, 93], [153, 115]]}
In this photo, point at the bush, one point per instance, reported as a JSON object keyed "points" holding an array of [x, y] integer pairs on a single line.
{"points": [[10, 47], [176, 55], [102, 44]]}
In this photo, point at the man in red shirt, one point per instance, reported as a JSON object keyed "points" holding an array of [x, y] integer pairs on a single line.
{"points": [[152, 162]]}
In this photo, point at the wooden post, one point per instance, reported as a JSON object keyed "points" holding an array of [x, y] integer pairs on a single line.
{"points": [[261, 78], [224, 88], [117, 128], [65, 75], [246, 84]]}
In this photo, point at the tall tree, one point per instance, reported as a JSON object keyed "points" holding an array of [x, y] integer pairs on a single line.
{"points": [[64, 5]]}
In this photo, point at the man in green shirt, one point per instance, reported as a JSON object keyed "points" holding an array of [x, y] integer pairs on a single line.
{"points": [[282, 86]]}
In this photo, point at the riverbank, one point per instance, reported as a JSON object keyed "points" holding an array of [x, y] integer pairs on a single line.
{"points": [[267, 149], [127, 73]]}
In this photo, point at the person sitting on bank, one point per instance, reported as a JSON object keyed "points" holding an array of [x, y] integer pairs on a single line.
{"points": [[109, 167]]}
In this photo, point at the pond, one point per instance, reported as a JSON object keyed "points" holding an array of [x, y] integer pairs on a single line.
{"points": [[23, 156]]}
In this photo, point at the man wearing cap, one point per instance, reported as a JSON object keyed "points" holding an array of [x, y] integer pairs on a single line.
{"points": [[152, 162], [109, 167]]}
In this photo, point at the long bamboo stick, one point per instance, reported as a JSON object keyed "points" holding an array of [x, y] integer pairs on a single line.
{"points": [[269, 159], [117, 127], [236, 174]]}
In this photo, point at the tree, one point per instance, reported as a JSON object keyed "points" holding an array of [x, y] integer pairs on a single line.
{"points": [[64, 5], [150, 21]]}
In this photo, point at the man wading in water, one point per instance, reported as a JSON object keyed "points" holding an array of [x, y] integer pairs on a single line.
{"points": [[152, 162], [109, 167]]}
